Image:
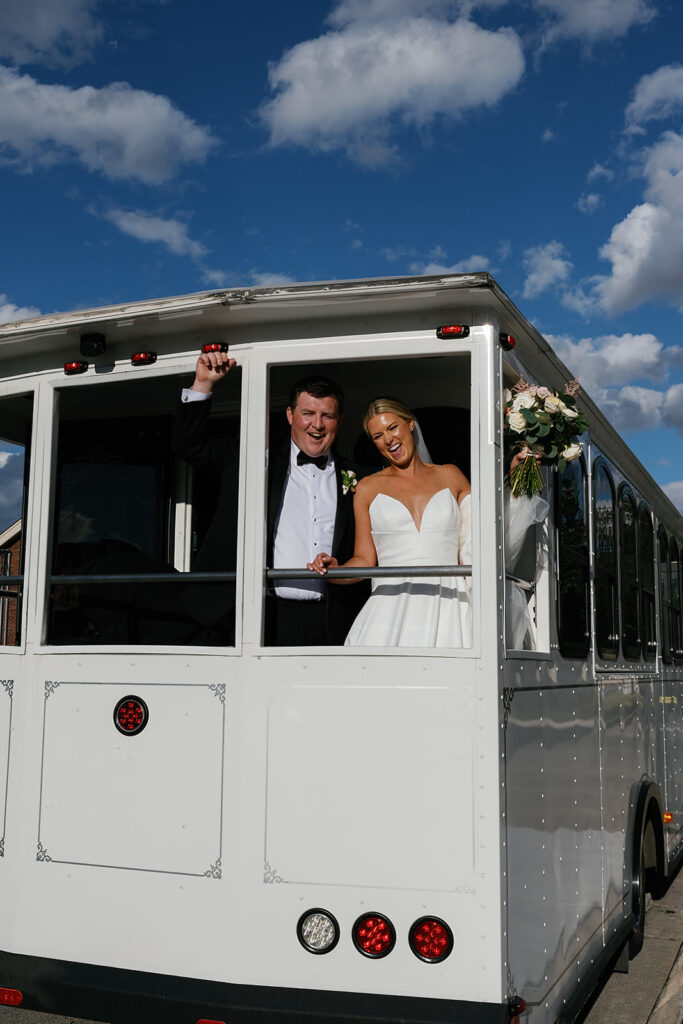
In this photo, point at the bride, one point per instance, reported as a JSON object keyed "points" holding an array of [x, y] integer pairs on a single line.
{"points": [[410, 513]]}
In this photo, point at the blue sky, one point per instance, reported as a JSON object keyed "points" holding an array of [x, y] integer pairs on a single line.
{"points": [[157, 147]]}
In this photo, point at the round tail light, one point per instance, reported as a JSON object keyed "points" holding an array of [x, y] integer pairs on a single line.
{"points": [[131, 715], [374, 935], [431, 940], [318, 931]]}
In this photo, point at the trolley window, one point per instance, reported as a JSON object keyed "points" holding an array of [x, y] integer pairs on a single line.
{"points": [[646, 575], [130, 516], [316, 612], [676, 601], [666, 648], [16, 414], [572, 561], [628, 563], [606, 599]]}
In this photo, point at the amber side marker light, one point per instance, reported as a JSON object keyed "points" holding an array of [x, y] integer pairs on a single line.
{"points": [[668, 818], [453, 331], [11, 997], [431, 940], [76, 366]]}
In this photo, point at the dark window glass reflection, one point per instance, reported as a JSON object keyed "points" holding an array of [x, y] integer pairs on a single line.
{"points": [[665, 597], [646, 574], [572, 561], [630, 631], [606, 610]]}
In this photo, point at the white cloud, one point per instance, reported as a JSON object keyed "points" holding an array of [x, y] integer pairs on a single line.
{"points": [[656, 96], [146, 228], [609, 369], [589, 203], [598, 171], [256, 277], [56, 32], [546, 267], [351, 87], [615, 358], [9, 312], [471, 265], [592, 21], [646, 247], [5, 458], [675, 492], [117, 130], [548, 135]]}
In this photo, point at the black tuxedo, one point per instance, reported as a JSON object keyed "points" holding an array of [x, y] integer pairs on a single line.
{"points": [[287, 622]]}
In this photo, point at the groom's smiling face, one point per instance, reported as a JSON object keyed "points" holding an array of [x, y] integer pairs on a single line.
{"points": [[314, 423]]}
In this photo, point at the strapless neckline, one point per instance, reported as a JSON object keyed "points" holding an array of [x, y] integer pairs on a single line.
{"points": [[418, 529]]}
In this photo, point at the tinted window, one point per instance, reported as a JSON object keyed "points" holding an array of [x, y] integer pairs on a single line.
{"points": [[126, 505], [630, 614], [666, 648], [676, 601], [15, 444], [606, 610], [572, 559], [646, 576]]}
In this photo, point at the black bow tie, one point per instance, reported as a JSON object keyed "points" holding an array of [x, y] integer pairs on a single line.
{"points": [[320, 461]]}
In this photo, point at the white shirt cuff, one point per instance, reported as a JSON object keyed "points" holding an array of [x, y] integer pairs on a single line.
{"points": [[188, 395]]}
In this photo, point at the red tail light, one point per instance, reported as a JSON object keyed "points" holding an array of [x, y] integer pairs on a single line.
{"points": [[130, 715], [77, 366], [143, 358], [517, 1006], [431, 940], [11, 997], [204, 1021], [215, 346], [453, 331], [374, 935]]}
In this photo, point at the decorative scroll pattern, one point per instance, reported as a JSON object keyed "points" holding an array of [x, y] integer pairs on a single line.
{"points": [[215, 871], [270, 874]]}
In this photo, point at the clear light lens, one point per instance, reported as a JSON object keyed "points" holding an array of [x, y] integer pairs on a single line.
{"points": [[318, 932]]}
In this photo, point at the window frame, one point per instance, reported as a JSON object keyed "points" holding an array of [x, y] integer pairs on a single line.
{"points": [[666, 648], [629, 652], [647, 586], [572, 649], [606, 654]]}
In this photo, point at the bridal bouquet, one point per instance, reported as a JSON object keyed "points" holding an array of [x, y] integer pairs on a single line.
{"points": [[545, 422]]}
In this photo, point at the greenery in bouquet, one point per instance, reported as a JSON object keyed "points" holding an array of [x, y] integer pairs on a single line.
{"points": [[543, 425]]}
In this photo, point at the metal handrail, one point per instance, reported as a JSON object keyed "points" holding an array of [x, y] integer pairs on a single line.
{"points": [[355, 572]]}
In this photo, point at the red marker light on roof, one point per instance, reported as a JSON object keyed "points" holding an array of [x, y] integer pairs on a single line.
{"points": [[517, 1006], [11, 997], [374, 935], [215, 346], [77, 366], [453, 331], [131, 715], [143, 358], [506, 341], [431, 940]]}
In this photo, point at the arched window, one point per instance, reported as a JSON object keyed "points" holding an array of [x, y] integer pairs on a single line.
{"points": [[572, 561], [666, 649], [677, 639], [646, 578], [628, 565], [606, 597]]}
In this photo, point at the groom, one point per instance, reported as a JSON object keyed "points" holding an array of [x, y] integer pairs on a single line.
{"points": [[308, 510]]}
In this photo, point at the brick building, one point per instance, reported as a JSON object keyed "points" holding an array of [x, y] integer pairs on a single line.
{"points": [[10, 565]]}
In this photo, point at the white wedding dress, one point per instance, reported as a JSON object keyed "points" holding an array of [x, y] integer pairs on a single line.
{"points": [[421, 611]]}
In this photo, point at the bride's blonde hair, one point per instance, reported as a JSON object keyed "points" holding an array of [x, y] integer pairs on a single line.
{"points": [[390, 405]]}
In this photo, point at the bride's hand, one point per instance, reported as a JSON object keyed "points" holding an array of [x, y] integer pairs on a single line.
{"points": [[322, 562]]}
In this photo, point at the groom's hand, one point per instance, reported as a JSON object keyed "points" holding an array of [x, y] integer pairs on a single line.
{"points": [[211, 368]]}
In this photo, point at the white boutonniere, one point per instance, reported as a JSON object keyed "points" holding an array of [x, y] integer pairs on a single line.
{"points": [[349, 481]]}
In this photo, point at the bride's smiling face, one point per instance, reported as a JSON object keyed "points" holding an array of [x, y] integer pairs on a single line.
{"points": [[393, 437]]}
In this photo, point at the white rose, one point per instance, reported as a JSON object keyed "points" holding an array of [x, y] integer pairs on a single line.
{"points": [[523, 401], [552, 404], [571, 453], [542, 392], [571, 414], [517, 422], [507, 396]]}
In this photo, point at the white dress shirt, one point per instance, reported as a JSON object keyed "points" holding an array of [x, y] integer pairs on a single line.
{"points": [[304, 525]]}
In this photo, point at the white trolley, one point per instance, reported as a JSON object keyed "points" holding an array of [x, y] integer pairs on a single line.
{"points": [[199, 827]]}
